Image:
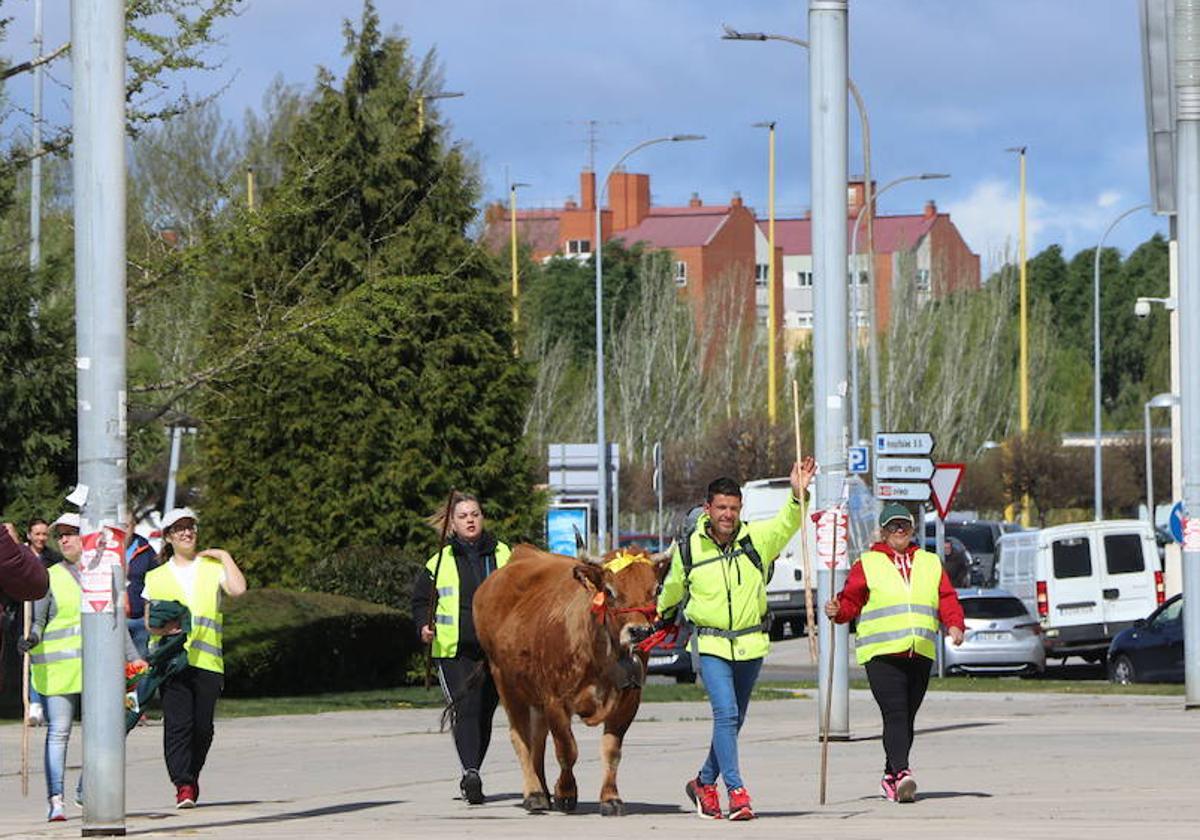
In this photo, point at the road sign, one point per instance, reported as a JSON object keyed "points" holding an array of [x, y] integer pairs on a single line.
{"points": [[1176, 522], [906, 469], [903, 443], [944, 484], [909, 491], [858, 460]]}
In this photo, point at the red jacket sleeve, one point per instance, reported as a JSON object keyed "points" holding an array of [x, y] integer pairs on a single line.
{"points": [[22, 575], [950, 611], [854, 594]]}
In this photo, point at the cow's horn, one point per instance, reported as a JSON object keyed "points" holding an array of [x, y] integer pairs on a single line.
{"points": [[663, 555], [581, 551]]}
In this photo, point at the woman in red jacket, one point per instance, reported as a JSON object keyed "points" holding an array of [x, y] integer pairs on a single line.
{"points": [[899, 593]]}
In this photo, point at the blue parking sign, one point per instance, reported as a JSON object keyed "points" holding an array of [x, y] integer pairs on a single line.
{"points": [[858, 459]]}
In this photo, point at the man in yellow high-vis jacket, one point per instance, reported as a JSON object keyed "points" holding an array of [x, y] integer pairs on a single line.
{"points": [[722, 571], [899, 594]]}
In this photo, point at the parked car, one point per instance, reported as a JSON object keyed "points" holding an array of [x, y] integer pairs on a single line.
{"points": [[673, 659], [1002, 636], [1152, 649], [1086, 581], [646, 541], [979, 536]]}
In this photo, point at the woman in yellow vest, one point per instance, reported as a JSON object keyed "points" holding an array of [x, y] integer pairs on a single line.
{"points": [[898, 593], [445, 594], [198, 580], [55, 647]]}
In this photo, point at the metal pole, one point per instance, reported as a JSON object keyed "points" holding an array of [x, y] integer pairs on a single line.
{"points": [[1173, 570], [1149, 468], [516, 281], [772, 330], [827, 26], [35, 167], [1026, 514], [172, 468], [1098, 466], [1187, 186], [98, 173], [939, 535]]}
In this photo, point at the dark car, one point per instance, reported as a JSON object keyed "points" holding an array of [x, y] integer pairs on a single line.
{"points": [[962, 568], [673, 659], [979, 536], [1152, 649], [647, 541]]}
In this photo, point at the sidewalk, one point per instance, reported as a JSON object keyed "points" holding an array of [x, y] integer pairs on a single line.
{"points": [[989, 765]]}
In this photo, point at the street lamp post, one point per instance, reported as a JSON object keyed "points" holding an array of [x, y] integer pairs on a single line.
{"points": [[601, 442], [431, 96], [1023, 373], [772, 374], [516, 282], [854, 412], [1157, 401], [1098, 467]]}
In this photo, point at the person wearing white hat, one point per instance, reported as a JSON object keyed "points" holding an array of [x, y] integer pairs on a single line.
{"points": [[198, 580]]}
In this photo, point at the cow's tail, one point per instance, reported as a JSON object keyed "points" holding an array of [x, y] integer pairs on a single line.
{"points": [[475, 679]]}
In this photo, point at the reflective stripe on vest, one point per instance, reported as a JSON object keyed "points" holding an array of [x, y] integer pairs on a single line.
{"points": [[203, 645], [899, 616], [56, 663], [445, 619]]}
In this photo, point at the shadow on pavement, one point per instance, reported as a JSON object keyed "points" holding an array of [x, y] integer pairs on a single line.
{"points": [[931, 730], [953, 794], [346, 808]]}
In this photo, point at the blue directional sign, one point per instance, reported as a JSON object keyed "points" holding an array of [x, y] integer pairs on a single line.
{"points": [[1176, 522], [858, 459]]}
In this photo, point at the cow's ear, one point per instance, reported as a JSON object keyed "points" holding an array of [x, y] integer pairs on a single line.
{"points": [[590, 575], [661, 568]]}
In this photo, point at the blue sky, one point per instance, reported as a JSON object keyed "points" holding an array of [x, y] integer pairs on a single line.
{"points": [[948, 85]]}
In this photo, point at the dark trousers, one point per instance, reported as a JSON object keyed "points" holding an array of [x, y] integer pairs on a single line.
{"points": [[189, 700], [475, 698], [899, 684]]}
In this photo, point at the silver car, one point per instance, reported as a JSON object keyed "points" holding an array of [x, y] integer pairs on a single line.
{"points": [[1001, 638]]}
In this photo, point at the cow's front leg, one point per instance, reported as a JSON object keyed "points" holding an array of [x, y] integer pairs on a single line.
{"points": [[566, 793], [610, 754], [520, 731]]}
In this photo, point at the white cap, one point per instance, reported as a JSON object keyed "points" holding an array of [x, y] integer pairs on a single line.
{"points": [[176, 514], [70, 520]]}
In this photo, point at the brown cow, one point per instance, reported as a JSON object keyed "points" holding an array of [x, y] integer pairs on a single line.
{"points": [[560, 636]]}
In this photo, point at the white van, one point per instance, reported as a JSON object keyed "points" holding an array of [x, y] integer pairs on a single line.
{"points": [[762, 499], [1085, 581]]}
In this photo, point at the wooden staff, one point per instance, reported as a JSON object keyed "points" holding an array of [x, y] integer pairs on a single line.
{"points": [[809, 612], [25, 703], [433, 595], [829, 683]]}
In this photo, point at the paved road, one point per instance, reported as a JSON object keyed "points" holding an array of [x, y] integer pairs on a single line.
{"points": [[1019, 765]]}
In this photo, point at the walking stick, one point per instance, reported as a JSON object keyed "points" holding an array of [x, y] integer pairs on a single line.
{"points": [[829, 681], [433, 596], [809, 615], [25, 703]]}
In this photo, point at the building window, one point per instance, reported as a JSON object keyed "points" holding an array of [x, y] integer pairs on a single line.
{"points": [[804, 320], [579, 246], [680, 273], [804, 279], [923, 284], [762, 312], [760, 275]]}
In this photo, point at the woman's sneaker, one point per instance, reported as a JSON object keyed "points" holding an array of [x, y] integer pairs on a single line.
{"points": [[906, 786], [185, 796], [739, 805], [705, 798], [55, 811], [472, 787], [887, 786]]}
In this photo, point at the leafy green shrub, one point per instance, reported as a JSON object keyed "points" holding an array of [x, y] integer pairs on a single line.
{"points": [[379, 574], [283, 642]]}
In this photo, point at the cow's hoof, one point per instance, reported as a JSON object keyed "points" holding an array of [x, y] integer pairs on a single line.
{"points": [[566, 804], [612, 808], [536, 802]]}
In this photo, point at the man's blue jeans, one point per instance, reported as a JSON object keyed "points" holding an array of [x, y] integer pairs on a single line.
{"points": [[60, 713], [728, 685]]}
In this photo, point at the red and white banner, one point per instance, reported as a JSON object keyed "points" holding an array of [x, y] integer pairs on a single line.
{"points": [[833, 538], [1191, 534], [103, 550]]}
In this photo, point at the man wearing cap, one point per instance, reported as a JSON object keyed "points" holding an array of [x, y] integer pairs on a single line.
{"points": [[898, 593]]}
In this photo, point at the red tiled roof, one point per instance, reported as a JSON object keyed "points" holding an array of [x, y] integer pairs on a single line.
{"points": [[677, 227], [892, 233], [537, 228]]}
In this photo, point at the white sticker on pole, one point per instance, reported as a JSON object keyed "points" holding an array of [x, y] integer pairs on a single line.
{"points": [[1191, 534], [833, 538], [101, 554]]}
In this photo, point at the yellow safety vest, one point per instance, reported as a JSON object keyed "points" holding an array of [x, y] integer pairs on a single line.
{"points": [[899, 616], [445, 617], [56, 662], [203, 643]]}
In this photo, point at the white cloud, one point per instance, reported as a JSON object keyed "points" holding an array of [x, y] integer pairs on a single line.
{"points": [[1108, 198], [989, 219]]}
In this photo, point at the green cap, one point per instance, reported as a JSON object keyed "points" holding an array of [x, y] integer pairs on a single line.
{"points": [[895, 510]]}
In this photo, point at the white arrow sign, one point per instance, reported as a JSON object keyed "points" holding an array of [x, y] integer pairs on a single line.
{"points": [[908, 469], [915, 491], [904, 443]]}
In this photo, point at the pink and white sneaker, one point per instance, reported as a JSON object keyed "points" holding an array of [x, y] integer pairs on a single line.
{"points": [[887, 787], [906, 786]]}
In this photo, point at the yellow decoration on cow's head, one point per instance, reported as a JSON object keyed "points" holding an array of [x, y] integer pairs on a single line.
{"points": [[625, 558]]}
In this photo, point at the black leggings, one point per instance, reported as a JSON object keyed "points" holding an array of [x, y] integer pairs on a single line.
{"points": [[899, 684], [472, 720], [189, 700]]}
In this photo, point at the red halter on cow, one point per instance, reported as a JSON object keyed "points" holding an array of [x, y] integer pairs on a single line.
{"points": [[561, 637]]}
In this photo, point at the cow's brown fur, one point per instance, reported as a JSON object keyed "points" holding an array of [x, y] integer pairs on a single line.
{"points": [[551, 660]]}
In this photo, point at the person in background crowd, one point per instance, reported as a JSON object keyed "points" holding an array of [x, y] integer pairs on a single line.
{"points": [[898, 593], [453, 575], [139, 559], [198, 580], [37, 537], [23, 578]]}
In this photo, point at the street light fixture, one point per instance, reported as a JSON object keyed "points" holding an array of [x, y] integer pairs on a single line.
{"points": [[601, 442], [854, 421], [772, 374], [1098, 466], [449, 94], [1157, 401]]}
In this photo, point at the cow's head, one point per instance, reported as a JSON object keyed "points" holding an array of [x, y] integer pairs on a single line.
{"points": [[624, 589]]}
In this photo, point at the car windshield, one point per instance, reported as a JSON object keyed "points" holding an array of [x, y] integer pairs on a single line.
{"points": [[977, 538], [993, 608]]}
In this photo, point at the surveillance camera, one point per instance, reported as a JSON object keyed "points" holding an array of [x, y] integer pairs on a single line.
{"points": [[1142, 308]]}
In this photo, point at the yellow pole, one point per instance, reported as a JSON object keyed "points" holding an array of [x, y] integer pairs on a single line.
{"points": [[516, 283], [1026, 518], [772, 381], [421, 114], [250, 187]]}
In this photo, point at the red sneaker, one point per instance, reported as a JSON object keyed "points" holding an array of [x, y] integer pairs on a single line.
{"points": [[185, 796], [906, 786], [739, 805], [705, 798]]}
